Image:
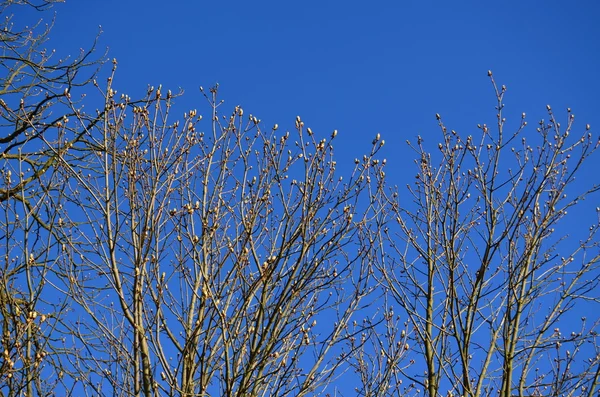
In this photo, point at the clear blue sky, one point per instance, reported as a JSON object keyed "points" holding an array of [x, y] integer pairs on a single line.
{"points": [[359, 67]]}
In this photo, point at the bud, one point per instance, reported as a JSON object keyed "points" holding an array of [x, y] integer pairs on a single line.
{"points": [[489, 73]]}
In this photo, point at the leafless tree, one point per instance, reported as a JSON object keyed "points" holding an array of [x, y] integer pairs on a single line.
{"points": [[488, 284], [220, 262], [147, 254], [146, 257], [37, 95], [36, 99]]}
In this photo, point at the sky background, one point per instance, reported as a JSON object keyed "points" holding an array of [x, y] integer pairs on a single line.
{"points": [[359, 67], [362, 68]]}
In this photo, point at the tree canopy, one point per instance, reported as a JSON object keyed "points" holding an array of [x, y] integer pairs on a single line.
{"points": [[151, 251]]}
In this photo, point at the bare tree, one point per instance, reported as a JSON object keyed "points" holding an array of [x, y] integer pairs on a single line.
{"points": [[482, 271], [147, 254], [36, 96], [36, 100], [145, 257], [220, 262]]}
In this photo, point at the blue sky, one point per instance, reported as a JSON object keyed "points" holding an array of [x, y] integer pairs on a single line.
{"points": [[362, 68], [359, 67]]}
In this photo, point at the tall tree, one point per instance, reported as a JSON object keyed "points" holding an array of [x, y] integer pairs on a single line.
{"points": [[37, 98], [149, 254], [491, 285], [144, 256], [220, 262]]}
